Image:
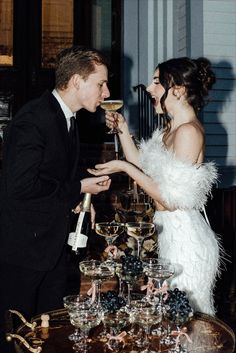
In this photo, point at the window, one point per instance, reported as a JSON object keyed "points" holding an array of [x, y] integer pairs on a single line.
{"points": [[6, 32]]}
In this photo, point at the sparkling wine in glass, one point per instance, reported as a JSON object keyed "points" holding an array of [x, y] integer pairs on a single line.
{"points": [[147, 316], [71, 303], [85, 317], [114, 323], [158, 270], [140, 231], [113, 106], [97, 271], [109, 230]]}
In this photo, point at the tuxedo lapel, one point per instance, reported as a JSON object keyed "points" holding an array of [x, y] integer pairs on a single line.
{"points": [[63, 130]]}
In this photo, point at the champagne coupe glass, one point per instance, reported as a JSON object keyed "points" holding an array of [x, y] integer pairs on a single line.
{"points": [[114, 323], [71, 303], [109, 230], [97, 271], [140, 231], [135, 305], [112, 105], [158, 270], [85, 316], [129, 277], [147, 316]]}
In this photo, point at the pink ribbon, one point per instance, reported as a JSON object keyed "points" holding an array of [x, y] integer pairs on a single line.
{"points": [[162, 290], [119, 338], [152, 290], [182, 332], [92, 292], [111, 250], [149, 286]]}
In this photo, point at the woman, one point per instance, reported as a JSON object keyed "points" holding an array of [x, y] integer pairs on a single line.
{"points": [[170, 168]]}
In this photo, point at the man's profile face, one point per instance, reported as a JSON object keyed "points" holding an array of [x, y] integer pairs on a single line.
{"points": [[93, 90]]}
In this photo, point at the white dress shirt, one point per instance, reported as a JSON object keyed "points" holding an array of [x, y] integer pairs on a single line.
{"points": [[66, 110]]}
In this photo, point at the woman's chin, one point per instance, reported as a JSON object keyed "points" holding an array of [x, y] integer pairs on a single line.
{"points": [[158, 110]]}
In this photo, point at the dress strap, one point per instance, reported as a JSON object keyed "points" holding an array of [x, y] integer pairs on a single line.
{"points": [[205, 215]]}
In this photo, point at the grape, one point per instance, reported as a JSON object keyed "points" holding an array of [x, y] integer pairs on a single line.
{"points": [[132, 264], [111, 302], [177, 305]]}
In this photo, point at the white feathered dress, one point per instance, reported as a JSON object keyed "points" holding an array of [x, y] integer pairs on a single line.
{"points": [[184, 236]]}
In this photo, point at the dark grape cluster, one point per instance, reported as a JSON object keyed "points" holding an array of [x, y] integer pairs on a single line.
{"points": [[177, 306], [131, 263], [111, 302]]}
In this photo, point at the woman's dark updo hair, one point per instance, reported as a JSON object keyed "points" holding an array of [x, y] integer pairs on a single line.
{"points": [[195, 75]]}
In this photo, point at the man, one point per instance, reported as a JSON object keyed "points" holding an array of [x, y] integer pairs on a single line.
{"points": [[40, 185]]}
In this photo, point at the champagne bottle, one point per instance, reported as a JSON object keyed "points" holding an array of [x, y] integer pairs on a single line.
{"points": [[78, 239]]}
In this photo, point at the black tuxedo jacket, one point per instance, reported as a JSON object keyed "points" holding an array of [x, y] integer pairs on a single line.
{"points": [[38, 188]]}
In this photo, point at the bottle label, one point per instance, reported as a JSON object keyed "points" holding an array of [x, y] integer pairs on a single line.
{"points": [[76, 241]]}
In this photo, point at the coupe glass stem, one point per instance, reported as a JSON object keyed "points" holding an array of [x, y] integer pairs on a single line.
{"points": [[159, 284], [109, 241], [115, 129], [120, 282], [146, 342], [85, 338], [98, 285], [129, 289], [139, 243]]}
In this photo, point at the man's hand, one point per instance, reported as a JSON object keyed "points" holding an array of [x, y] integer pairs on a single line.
{"points": [[96, 184]]}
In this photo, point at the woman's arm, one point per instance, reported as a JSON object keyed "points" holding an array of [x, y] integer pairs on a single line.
{"points": [[144, 181]]}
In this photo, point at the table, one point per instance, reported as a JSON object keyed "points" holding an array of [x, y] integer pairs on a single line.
{"points": [[208, 335]]}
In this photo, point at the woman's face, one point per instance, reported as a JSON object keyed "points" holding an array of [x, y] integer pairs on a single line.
{"points": [[156, 91]]}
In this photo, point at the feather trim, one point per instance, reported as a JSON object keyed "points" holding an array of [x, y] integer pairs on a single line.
{"points": [[182, 185]]}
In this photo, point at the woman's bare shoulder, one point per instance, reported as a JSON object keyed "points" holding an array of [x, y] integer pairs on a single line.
{"points": [[189, 142], [190, 131]]}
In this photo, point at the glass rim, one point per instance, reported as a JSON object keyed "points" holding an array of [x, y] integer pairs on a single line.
{"points": [[112, 101]]}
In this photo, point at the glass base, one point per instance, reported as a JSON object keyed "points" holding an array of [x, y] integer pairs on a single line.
{"points": [[75, 337]]}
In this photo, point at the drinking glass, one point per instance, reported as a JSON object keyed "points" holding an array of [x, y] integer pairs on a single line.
{"points": [[97, 271], [140, 231], [113, 106], [147, 316], [109, 230], [84, 316], [158, 270], [134, 306], [129, 277], [71, 303], [114, 324]]}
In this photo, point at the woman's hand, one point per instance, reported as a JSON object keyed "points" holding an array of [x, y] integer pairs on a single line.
{"points": [[110, 167], [115, 120]]}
